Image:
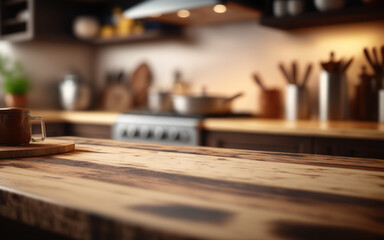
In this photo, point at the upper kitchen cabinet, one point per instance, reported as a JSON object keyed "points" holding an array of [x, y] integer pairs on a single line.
{"points": [[295, 14], [198, 12], [23, 20]]}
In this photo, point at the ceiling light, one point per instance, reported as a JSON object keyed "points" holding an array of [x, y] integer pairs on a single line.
{"points": [[219, 8], [183, 13]]}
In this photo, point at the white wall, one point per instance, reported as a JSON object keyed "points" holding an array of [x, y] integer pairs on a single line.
{"points": [[221, 57]]}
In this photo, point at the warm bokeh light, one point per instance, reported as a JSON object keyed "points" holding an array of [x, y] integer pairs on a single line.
{"points": [[183, 13], [219, 8]]}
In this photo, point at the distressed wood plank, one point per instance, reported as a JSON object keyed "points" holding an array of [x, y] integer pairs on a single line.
{"points": [[119, 190]]}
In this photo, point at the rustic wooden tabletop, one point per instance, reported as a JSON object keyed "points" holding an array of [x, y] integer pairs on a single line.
{"points": [[107, 189]]}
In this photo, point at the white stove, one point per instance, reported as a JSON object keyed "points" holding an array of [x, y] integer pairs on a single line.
{"points": [[157, 128]]}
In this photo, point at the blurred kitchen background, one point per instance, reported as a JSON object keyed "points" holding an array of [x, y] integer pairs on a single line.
{"points": [[221, 56], [120, 52]]}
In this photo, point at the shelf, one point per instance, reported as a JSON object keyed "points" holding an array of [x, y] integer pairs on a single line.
{"points": [[145, 36], [17, 37], [13, 2], [14, 21], [313, 19]]}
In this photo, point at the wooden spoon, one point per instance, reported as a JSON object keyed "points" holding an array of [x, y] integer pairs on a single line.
{"points": [[285, 73], [306, 75], [294, 72], [258, 81]]}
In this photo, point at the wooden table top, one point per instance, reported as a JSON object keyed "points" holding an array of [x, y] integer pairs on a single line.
{"points": [[107, 189]]}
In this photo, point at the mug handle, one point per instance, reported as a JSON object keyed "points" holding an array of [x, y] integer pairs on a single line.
{"points": [[43, 135]]}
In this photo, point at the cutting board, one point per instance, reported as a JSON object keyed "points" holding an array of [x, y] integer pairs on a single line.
{"points": [[47, 147]]}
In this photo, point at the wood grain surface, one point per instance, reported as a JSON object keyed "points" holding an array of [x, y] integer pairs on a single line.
{"points": [[107, 189], [35, 149]]}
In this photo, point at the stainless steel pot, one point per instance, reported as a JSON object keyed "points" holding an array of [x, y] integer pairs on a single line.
{"points": [[159, 102], [202, 105]]}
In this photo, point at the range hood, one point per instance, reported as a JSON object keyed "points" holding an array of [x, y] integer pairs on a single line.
{"points": [[194, 12]]}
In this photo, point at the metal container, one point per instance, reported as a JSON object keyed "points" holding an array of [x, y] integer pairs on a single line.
{"points": [[333, 96], [381, 105], [202, 105], [160, 102], [296, 103], [74, 93]]}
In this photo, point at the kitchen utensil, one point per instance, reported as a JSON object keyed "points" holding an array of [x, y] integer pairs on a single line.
{"points": [[373, 61], [48, 147], [117, 96], [74, 93], [280, 8], [285, 73], [295, 7], [329, 5], [258, 81], [15, 127], [347, 64], [306, 75], [159, 102], [296, 103], [366, 97], [294, 72], [381, 106], [333, 96], [202, 105], [140, 82], [270, 103]]}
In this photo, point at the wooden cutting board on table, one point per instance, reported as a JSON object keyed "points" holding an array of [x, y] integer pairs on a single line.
{"points": [[47, 147], [140, 82]]}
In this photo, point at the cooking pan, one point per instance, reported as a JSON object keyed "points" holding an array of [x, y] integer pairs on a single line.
{"points": [[202, 105]]}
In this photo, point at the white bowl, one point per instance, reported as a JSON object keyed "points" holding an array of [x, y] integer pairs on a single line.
{"points": [[86, 27], [329, 5]]}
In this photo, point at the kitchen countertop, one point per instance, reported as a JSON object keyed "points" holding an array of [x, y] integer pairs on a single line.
{"points": [[343, 129], [83, 117], [114, 190]]}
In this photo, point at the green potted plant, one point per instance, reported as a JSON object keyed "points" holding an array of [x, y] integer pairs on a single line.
{"points": [[15, 83]]}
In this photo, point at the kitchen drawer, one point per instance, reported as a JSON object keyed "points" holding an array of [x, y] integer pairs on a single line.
{"points": [[349, 147], [263, 142]]}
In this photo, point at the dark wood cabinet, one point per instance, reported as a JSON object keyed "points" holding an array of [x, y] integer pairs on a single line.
{"points": [[264, 142], [349, 147], [354, 11], [295, 144], [74, 129]]}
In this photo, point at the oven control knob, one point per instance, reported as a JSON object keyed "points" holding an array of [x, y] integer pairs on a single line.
{"points": [[145, 132], [159, 133], [184, 136], [174, 134], [132, 131]]}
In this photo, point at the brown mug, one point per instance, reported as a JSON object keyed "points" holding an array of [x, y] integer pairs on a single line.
{"points": [[15, 127]]}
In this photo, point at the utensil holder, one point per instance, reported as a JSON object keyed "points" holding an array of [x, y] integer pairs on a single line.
{"points": [[381, 105], [296, 103], [333, 96], [270, 103]]}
